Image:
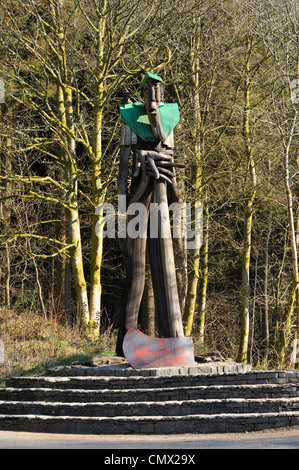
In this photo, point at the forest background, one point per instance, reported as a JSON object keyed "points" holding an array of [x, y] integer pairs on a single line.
{"points": [[233, 68]]}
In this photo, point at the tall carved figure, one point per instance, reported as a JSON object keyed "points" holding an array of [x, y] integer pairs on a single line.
{"points": [[147, 136]]}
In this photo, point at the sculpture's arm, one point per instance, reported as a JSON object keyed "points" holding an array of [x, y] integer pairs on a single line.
{"points": [[161, 165], [158, 163]]}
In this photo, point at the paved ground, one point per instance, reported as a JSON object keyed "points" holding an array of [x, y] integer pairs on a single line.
{"points": [[273, 439]]}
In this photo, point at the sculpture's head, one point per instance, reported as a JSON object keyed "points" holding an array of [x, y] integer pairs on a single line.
{"points": [[153, 88]]}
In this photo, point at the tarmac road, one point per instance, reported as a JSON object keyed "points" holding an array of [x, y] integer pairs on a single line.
{"points": [[287, 438]]}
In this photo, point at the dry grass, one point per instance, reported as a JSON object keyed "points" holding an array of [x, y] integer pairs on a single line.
{"points": [[33, 344]]}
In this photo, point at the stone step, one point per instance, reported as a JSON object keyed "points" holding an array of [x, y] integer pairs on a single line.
{"points": [[176, 402], [125, 370], [167, 408], [96, 383], [215, 423], [290, 390]]}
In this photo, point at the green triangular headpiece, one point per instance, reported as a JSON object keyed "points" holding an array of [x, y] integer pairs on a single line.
{"points": [[152, 76], [135, 116]]}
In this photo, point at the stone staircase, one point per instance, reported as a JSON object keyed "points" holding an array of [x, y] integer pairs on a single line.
{"points": [[126, 403]]}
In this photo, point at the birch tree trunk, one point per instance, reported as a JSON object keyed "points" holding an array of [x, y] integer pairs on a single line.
{"points": [[74, 218], [98, 194], [62, 280], [266, 322], [292, 233], [204, 279], [5, 205], [6, 219], [67, 115], [248, 214], [196, 178]]}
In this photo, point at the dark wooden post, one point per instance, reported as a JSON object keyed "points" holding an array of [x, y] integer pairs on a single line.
{"points": [[170, 282]]}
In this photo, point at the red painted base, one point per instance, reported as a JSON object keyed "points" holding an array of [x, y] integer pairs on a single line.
{"points": [[144, 352]]}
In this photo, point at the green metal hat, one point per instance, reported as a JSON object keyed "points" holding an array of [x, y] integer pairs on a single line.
{"points": [[152, 76]]}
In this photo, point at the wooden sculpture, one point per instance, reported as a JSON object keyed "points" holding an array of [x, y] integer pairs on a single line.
{"points": [[147, 136]]}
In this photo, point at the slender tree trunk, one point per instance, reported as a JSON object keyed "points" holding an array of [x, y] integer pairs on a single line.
{"points": [[245, 296], [77, 261], [266, 296], [62, 280], [98, 194], [196, 177], [97, 229], [180, 255], [73, 215], [5, 207], [292, 232], [248, 215], [6, 219], [253, 310], [279, 330], [39, 286], [297, 242], [66, 115], [204, 278], [7, 277], [62, 288]]}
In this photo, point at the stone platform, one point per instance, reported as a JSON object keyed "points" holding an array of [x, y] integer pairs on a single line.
{"points": [[125, 370]]}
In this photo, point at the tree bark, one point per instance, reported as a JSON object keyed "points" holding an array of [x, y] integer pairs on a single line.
{"points": [[248, 214], [98, 194], [62, 289], [202, 295], [196, 177]]}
